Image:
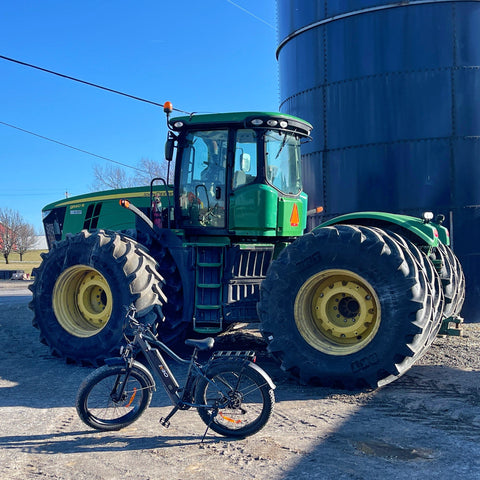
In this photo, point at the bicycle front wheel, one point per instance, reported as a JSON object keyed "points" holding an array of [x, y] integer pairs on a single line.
{"points": [[237, 399], [108, 399]]}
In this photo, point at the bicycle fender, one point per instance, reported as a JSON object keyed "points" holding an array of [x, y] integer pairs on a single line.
{"points": [[113, 362], [241, 363], [146, 371], [264, 374]]}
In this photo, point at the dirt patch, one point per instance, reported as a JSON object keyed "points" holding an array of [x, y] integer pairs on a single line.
{"points": [[424, 425]]}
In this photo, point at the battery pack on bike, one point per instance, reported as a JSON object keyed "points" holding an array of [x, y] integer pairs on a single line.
{"points": [[158, 364]]}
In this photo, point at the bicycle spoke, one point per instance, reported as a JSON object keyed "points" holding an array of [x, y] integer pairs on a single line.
{"points": [[110, 400], [237, 397], [108, 406]]}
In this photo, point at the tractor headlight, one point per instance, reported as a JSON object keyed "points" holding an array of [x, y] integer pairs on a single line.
{"points": [[427, 216]]}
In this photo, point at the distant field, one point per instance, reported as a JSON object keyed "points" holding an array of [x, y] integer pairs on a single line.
{"points": [[30, 261]]}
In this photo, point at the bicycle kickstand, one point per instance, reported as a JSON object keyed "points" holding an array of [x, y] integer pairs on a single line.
{"points": [[212, 416]]}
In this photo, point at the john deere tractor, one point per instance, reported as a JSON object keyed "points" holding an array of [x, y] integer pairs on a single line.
{"points": [[352, 303]]}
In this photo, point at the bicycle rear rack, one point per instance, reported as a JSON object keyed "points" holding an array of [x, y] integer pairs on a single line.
{"points": [[225, 354]]}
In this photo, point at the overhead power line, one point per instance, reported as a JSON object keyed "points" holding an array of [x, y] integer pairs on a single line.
{"points": [[68, 77], [250, 13], [72, 147]]}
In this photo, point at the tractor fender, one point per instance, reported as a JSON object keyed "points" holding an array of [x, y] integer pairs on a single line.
{"points": [[428, 232]]}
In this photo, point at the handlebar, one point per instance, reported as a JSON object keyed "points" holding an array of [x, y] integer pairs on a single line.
{"points": [[130, 316], [131, 308], [150, 336]]}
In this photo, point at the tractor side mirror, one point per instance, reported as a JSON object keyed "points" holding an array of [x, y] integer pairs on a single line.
{"points": [[245, 162], [169, 146]]}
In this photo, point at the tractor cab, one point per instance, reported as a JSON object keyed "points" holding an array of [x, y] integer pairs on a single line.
{"points": [[238, 173]]}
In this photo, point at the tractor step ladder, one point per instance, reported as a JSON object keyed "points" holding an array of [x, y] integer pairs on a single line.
{"points": [[208, 315]]}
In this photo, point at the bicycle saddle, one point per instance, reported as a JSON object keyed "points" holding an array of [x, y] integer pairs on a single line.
{"points": [[203, 344]]}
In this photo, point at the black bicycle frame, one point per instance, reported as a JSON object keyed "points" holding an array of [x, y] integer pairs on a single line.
{"points": [[159, 365]]}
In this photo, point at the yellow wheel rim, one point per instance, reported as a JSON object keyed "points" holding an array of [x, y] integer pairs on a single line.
{"points": [[82, 301], [337, 312]]}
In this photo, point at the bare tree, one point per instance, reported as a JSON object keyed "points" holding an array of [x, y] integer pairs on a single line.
{"points": [[150, 169], [110, 177], [10, 224], [25, 239]]}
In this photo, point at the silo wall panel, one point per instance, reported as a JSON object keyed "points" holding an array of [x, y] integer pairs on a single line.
{"points": [[385, 108], [387, 184], [466, 173], [390, 41], [394, 97], [304, 64], [466, 114]]}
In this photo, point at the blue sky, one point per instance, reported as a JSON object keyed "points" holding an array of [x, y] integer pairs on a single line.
{"points": [[204, 56]]}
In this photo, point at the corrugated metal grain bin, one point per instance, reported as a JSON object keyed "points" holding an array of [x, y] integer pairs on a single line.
{"points": [[393, 91]]}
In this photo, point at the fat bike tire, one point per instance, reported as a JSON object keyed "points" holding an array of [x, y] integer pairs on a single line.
{"points": [[238, 399], [95, 402]]}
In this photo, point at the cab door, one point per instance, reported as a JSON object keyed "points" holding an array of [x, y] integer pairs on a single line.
{"points": [[202, 179]]}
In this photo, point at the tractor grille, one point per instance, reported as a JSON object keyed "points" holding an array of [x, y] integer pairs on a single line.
{"points": [[253, 263], [249, 268]]}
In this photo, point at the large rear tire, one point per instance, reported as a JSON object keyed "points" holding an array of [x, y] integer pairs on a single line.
{"points": [[433, 286], [453, 281], [345, 306], [81, 289]]}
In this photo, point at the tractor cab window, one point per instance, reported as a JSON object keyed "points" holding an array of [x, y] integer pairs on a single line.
{"points": [[202, 178], [245, 167], [282, 152]]}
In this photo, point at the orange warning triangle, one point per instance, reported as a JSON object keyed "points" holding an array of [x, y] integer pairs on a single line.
{"points": [[294, 218]]}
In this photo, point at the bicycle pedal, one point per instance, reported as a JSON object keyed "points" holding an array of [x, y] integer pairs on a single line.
{"points": [[164, 423]]}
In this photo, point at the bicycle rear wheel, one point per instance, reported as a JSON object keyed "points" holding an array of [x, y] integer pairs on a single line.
{"points": [[99, 403], [238, 399]]}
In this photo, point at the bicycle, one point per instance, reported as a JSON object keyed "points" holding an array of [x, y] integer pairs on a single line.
{"points": [[233, 395]]}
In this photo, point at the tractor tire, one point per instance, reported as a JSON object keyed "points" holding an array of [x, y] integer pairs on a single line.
{"points": [[460, 297], [345, 306], [453, 280], [173, 330], [81, 289], [434, 285], [435, 298]]}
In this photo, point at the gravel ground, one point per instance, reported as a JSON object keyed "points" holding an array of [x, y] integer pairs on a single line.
{"points": [[424, 425]]}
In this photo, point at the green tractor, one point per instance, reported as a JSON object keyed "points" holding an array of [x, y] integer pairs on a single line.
{"points": [[353, 303]]}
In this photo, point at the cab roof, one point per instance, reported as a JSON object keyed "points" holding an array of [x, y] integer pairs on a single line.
{"points": [[241, 119]]}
